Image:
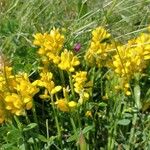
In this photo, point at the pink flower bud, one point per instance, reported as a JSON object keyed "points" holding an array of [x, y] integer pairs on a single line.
{"points": [[77, 47]]}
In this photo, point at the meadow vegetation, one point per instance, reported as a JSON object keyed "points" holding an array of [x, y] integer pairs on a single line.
{"points": [[74, 74]]}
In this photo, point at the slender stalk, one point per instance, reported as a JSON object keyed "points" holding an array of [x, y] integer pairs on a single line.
{"points": [[74, 130], [138, 105], [71, 84], [57, 122], [34, 113], [93, 80], [27, 118], [62, 77], [19, 125], [131, 138], [113, 130]]}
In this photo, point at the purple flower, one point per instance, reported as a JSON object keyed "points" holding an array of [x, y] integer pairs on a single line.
{"points": [[77, 47]]}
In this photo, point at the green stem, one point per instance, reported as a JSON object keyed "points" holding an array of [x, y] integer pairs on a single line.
{"points": [[27, 118], [108, 13], [113, 130], [71, 84], [74, 129], [93, 80], [73, 125], [57, 122], [34, 113], [62, 77], [20, 127], [132, 133]]}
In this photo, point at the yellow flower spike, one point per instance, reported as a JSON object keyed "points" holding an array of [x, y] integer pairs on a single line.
{"points": [[79, 81], [68, 61], [39, 39], [14, 104], [99, 50], [50, 45], [100, 34], [62, 105]]}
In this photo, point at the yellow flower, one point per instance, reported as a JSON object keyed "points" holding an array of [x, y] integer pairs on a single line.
{"points": [[99, 34], [84, 96], [62, 105], [98, 52], [81, 86], [50, 45], [80, 80], [25, 87], [65, 106], [88, 114], [72, 104], [29, 105], [14, 104], [131, 58], [39, 39], [56, 89], [47, 82], [68, 61]]}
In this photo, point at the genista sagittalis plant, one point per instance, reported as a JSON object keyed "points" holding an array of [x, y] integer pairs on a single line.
{"points": [[68, 86]]}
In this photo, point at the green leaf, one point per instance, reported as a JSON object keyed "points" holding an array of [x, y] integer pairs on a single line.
{"points": [[30, 126], [124, 122], [87, 129], [14, 136], [51, 140], [47, 140], [42, 138], [72, 138], [137, 94], [102, 104], [22, 147], [82, 7]]}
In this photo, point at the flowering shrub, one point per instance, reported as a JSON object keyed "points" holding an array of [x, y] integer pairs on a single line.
{"points": [[71, 86]]}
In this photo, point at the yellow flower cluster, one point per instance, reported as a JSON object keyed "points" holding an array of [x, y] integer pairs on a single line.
{"points": [[68, 61], [131, 59], [80, 85], [64, 105], [126, 60], [50, 50], [50, 45], [49, 85], [16, 92], [97, 53]]}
